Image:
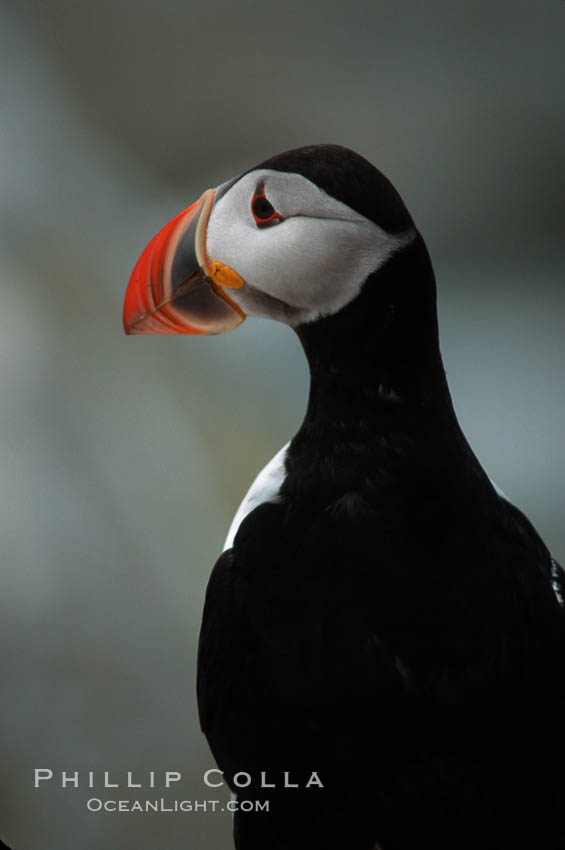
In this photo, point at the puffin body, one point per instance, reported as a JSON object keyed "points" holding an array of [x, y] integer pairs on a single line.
{"points": [[381, 658]]}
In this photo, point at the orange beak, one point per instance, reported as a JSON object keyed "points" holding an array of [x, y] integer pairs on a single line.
{"points": [[175, 288]]}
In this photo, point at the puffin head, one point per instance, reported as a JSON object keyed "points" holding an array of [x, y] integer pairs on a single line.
{"points": [[294, 239]]}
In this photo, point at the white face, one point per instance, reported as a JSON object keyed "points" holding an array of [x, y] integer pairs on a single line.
{"points": [[312, 263]]}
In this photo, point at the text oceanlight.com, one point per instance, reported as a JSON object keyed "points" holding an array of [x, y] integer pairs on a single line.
{"points": [[187, 806]]}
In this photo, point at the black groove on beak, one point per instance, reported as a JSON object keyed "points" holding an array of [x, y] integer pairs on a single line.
{"points": [[175, 288]]}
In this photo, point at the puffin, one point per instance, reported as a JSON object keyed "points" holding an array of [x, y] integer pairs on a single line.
{"points": [[381, 662]]}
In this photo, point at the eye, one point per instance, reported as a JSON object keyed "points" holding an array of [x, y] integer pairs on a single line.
{"points": [[263, 211]]}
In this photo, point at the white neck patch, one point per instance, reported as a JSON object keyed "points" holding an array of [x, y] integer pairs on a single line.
{"points": [[265, 488]]}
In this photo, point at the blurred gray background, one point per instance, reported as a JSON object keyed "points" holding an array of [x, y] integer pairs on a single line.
{"points": [[123, 459]]}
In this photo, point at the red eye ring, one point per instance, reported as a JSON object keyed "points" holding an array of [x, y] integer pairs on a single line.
{"points": [[262, 210]]}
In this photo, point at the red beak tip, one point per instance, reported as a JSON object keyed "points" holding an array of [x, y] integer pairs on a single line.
{"points": [[129, 326]]}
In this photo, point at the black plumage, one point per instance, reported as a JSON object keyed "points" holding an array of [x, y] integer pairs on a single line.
{"points": [[389, 622]]}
